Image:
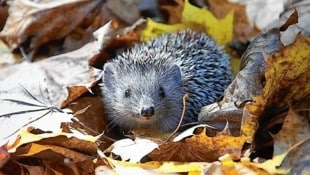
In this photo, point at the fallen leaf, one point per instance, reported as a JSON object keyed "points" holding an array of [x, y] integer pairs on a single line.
{"points": [[6, 57], [132, 150], [297, 158], [43, 118], [30, 165], [294, 130], [4, 155], [247, 83], [224, 166], [189, 132], [36, 23], [263, 13], [243, 30], [220, 29], [293, 19], [26, 136], [271, 165], [94, 108], [51, 152], [26, 101], [286, 84], [211, 25], [286, 77], [155, 167], [118, 7], [200, 148], [173, 11], [3, 14]]}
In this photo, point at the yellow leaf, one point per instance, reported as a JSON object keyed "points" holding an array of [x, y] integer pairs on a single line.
{"points": [[220, 29], [200, 148], [198, 19], [156, 167], [27, 137], [271, 165], [287, 77], [155, 29]]}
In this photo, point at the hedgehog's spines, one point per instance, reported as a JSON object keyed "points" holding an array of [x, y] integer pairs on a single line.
{"points": [[203, 66]]}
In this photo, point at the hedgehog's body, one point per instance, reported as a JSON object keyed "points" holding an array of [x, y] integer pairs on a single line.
{"points": [[143, 88]]}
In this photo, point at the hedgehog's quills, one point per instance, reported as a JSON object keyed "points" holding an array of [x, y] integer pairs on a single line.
{"points": [[143, 87]]}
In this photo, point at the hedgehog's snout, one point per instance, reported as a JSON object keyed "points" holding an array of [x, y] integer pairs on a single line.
{"points": [[147, 111]]}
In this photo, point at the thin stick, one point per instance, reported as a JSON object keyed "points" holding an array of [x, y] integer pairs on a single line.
{"points": [[182, 116]]}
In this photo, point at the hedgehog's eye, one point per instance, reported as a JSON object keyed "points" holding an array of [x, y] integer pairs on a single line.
{"points": [[127, 93], [162, 92]]}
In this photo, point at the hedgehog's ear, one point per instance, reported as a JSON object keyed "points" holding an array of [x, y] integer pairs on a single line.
{"points": [[174, 74], [109, 74]]}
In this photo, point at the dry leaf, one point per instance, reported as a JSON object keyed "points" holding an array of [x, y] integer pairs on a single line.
{"points": [[271, 165], [51, 152], [243, 30], [297, 158], [6, 57], [30, 165], [93, 116], [226, 166], [200, 148], [189, 132], [38, 23], [248, 82], [27, 101], [263, 13], [173, 10], [26, 136], [132, 150], [287, 76], [61, 152], [4, 155], [154, 167], [118, 7], [220, 29], [295, 129]]}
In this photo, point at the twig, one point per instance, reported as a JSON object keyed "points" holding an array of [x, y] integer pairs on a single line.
{"points": [[182, 117]]}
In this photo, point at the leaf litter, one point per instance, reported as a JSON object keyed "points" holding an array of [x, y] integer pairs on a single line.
{"points": [[42, 87], [222, 153]]}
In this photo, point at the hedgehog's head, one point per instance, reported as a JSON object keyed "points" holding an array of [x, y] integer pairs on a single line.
{"points": [[141, 95]]}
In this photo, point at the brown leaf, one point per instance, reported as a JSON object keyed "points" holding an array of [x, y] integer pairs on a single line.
{"points": [[173, 10], [3, 15], [30, 165], [243, 30], [93, 116], [297, 158], [200, 148], [7, 58], [4, 155], [31, 93], [286, 84], [38, 23], [293, 19], [62, 154], [118, 7], [248, 82], [295, 129], [51, 152], [286, 78]]}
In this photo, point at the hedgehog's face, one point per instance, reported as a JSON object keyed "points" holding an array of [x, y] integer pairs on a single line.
{"points": [[143, 96]]}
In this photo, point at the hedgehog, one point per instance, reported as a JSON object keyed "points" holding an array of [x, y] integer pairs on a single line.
{"points": [[143, 87]]}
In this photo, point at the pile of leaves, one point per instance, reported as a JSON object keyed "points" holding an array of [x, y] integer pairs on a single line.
{"points": [[53, 120]]}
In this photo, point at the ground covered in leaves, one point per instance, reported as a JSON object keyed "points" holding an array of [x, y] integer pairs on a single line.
{"points": [[52, 120]]}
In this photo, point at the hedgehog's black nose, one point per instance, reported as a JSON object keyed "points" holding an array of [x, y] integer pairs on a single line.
{"points": [[147, 111]]}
